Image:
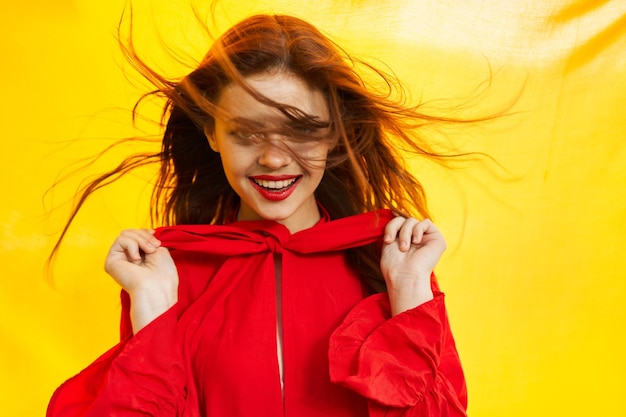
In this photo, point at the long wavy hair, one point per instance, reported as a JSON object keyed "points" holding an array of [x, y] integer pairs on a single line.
{"points": [[364, 169]]}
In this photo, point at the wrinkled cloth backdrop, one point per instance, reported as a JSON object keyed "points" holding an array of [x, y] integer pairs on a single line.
{"points": [[535, 268]]}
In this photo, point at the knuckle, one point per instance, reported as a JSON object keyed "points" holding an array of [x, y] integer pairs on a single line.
{"points": [[396, 221]]}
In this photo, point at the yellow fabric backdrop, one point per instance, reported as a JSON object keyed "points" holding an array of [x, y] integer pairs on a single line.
{"points": [[535, 273]]}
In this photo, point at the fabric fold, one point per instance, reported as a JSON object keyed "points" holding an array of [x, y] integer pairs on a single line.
{"points": [[128, 379], [215, 352], [398, 361]]}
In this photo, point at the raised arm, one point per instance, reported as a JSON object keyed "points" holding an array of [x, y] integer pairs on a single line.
{"points": [[146, 271], [411, 250], [397, 349], [144, 375]]}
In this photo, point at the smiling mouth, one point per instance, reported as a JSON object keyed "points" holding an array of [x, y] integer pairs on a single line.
{"points": [[275, 186]]}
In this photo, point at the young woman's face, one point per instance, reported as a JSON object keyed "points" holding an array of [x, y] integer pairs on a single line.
{"points": [[273, 164]]}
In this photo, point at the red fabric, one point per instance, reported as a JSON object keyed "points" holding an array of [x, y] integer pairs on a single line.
{"points": [[214, 352]]}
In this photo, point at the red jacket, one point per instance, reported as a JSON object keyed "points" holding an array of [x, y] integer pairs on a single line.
{"points": [[215, 352]]}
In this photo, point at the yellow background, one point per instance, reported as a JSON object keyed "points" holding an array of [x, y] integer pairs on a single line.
{"points": [[535, 272]]}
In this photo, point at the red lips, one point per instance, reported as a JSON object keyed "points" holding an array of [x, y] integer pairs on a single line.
{"points": [[267, 185]]}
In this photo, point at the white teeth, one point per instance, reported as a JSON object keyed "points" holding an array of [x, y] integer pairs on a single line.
{"points": [[275, 185]]}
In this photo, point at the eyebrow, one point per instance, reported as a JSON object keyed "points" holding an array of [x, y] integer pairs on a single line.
{"points": [[248, 123], [314, 123]]}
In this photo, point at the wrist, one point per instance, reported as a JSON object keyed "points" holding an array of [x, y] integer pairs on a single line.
{"points": [[409, 293], [147, 304]]}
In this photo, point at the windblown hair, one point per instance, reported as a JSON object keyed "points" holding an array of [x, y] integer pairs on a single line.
{"points": [[364, 171]]}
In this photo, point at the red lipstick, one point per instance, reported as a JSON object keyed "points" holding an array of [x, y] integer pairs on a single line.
{"points": [[272, 191], [274, 177]]}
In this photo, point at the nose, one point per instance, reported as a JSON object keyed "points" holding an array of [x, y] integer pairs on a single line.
{"points": [[274, 155]]}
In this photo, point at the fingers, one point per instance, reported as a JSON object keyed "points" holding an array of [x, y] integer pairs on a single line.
{"points": [[136, 242], [400, 230], [407, 231]]}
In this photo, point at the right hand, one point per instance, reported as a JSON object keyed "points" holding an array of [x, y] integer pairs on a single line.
{"points": [[144, 269]]}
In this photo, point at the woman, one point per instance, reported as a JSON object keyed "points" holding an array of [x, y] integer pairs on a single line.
{"points": [[285, 286]]}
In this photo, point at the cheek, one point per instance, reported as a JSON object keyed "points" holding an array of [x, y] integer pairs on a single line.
{"points": [[318, 164], [237, 162], [314, 156]]}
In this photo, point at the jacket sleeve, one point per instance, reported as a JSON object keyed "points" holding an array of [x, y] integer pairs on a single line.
{"points": [[406, 365], [141, 376]]}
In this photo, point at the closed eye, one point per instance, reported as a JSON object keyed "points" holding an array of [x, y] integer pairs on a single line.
{"points": [[247, 136], [304, 130]]}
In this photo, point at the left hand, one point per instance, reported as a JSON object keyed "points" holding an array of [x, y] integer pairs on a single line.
{"points": [[411, 250]]}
